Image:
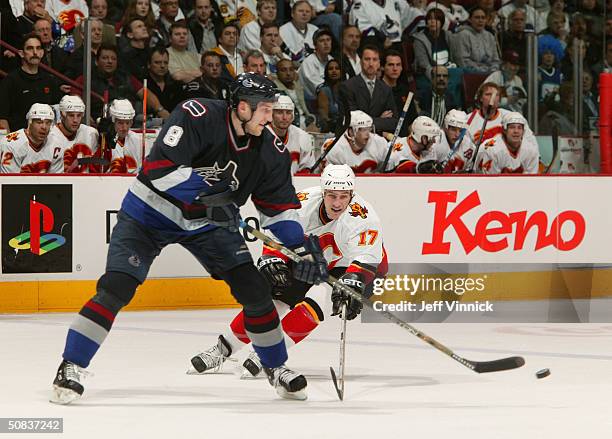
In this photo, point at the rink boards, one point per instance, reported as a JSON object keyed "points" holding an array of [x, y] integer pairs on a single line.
{"points": [[530, 234]]}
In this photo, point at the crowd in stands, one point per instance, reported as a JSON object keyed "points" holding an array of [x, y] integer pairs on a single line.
{"points": [[331, 60]]}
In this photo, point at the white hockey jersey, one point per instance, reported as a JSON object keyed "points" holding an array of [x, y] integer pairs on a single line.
{"points": [[127, 155], [390, 18], [364, 162], [83, 144], [17, 155], [498, 159], [404, 161], [301, 147], [244, 10], [353, 240], [68, 13], [462, 156], [250, 37], [298, 43], [312, 74]]}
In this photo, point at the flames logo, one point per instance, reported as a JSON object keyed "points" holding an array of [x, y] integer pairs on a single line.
{"points": [[41, 167], [71, 156], [397, 147], [357, 210], [490, 143], [70, 18], [11, 137], [302, 196]]}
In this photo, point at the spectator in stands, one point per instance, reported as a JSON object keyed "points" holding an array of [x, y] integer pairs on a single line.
{"points": [[160, 82], [287, 82], [432, 46], [68, 13], [99, 10], [438, 101], [134, 57], [351, 39], [590, 100], [250, 34], [561, 113], [254, 62], [392, 76], [297, 34], [54, 56], [244, 10], [204, 26], [75, 60], [168, 11], [550, 53], [593, 15], [25, 86], [513, 93], [369, 94], [141, 9], [324, 15], [476, 49], [455, 15], [556, 7], [557, 22], [184, 65], [327, 97], [231, 58], [567, 64], [32, 11], [30, 150], [312, 71], [493, 22], [522, 5], [515, 37], [210, 85], [579, 29], [271, 47], [605, 65]]}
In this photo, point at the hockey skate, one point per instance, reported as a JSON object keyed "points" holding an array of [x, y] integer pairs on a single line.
{"points": [[251, 367], [211, 360], [67, 385], [288, 384]]}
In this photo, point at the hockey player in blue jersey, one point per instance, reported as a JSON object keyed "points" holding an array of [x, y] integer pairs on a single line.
{"points": [[209, 157]]}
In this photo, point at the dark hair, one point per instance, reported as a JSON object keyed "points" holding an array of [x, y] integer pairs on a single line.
{"points": [[326, 72], [389, 53], [29, 36], [299, 2], [207, 54], [106, 47], [128, 27], [180, 24], [475, 9], [437, 14], [371, 47], [219, 30], [349, 26], [260, 3], [157, 49], [267, 26]]}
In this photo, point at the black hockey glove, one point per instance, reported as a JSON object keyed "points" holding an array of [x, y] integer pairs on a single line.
{"points": [[106, 127], [313, 268], [338, 297], [275, 270], [430, 167]]}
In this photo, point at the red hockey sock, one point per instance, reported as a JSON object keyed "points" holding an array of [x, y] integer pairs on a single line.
{"points": [[302, 320], [237, 327]]}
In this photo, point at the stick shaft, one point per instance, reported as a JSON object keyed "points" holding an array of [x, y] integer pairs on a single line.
{"points": [[144, 119], [398, 128]]}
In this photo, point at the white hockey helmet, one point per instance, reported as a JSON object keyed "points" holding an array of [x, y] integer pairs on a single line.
{"points": [[40, 111], [122, 109], [359, 119], [456, 118], [71, 104], [338, 178], [513, 117], [284, 103], [424, 126]]}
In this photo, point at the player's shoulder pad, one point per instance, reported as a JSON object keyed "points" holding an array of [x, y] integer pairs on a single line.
{"points": [[195, 108]]}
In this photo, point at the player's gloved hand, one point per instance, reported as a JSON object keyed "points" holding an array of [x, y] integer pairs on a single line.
{"points": [[106, 127], [430, 167], [224, 216], [313, 268], [339, 297], [221, 194], [275, 270]]}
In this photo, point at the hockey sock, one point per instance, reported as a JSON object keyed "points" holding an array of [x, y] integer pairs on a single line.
{"points": [[302, 320], [264, 330]]}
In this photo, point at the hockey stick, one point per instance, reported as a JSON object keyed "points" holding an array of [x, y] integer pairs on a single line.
{"points": [[555, 145], [339, 382], [144, 121], [476, 366], [484, 127], [345, 126], [398, 128]]}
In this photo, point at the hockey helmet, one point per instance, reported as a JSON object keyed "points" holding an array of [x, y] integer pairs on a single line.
{"points": [[513, 117], [424, 126], [338, 178], [121, 109], [284, 102], [359, 119], [455, 118], [40, 111], [71, 104], [253, 89]]}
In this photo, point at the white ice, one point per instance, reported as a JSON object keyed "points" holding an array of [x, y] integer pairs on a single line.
{"points": [[397, 386]]}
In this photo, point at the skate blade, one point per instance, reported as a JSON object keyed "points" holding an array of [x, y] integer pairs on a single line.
{"points": [[300, 395], [246, 375], [63, 396], [193, 371]]}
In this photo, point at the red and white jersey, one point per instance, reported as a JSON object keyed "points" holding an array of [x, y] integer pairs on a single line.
{"points": [[462, 156], [83, 143], [17, 155], [127, 155], [403, 160], [301, 147], [354, 240], [68, 13], [365, 161], [498, 159], [494, 127]]}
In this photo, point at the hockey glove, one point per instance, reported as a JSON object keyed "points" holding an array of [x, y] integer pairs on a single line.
{"points": [[430, 167], [106, 127], [275, 270], [338, 297], [313, 268]]}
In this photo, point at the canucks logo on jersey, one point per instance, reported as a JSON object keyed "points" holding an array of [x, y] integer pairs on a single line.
{"points": [[215, 174]]}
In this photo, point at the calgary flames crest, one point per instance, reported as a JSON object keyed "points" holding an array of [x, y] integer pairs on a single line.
{"points": [[358, 210], [302, 196]]}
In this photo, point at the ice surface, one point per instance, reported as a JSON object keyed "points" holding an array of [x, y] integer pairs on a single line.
{"points": [[397, 386]]}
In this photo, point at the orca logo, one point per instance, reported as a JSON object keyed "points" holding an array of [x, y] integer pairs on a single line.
{"points": [[32, 239]]}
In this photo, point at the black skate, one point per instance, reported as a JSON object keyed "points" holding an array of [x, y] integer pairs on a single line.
{"points": [[211, 360], [67, 385], [251, 367], [288, 384]]}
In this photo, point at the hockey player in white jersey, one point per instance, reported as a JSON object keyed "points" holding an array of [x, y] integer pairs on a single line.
{"points": [[30, 150], [454, 122], [416, 153], [508, 153], [360, 148], [127, 150], [76, 139], [298, 141], [350, 235], [388, 19]]}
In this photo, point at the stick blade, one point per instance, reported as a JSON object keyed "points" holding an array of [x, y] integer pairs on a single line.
{"points": [[498, 365], [334, 379]]}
